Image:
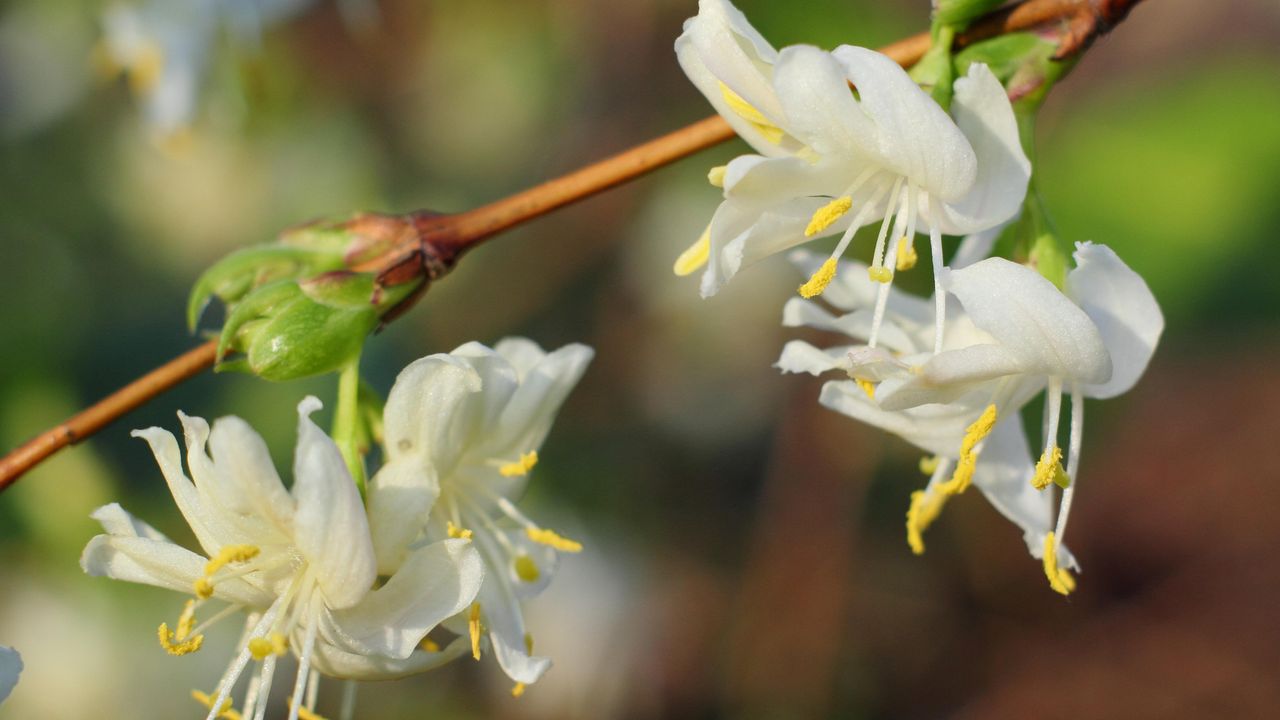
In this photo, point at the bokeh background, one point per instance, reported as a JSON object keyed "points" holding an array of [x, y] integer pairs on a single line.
{"points": [[745, 549]]}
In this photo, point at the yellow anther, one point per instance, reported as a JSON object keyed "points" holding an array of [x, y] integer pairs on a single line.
{"points": [[880, 274], [145, 68], [305, 714], [173, 646], [826, 215], [929, 464], [527, 569], [1059, 578], [262, 647], [695, 256], [746, 111], [473, 627], [907, 257], [225, 711], [925, 508], [203, 589], [429, 645], [517, 690], [973, 435], [1047, 467], [820, 279], [552, 539], [186, 621], [229, 554], [867, 386], [521, 466], [458, 532], [715, 175]]}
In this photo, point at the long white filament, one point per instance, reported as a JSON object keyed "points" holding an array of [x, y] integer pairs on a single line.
{"points": [[1073, 460]]}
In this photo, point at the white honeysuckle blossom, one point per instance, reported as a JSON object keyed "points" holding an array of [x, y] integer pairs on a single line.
{"points": [[299, 562], [10, 668], [1015, 334], [462, 432], [832, 160]]}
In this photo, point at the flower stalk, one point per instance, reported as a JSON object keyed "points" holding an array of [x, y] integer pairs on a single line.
{"points": [[440, 239]]}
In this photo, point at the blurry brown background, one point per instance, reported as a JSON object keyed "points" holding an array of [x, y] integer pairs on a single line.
{"points": [[745, 547]]}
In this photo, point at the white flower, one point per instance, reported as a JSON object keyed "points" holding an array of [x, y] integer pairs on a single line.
{"points": [[836, 160], [10, 668], [300, 563], [1017, 334], [462, 433]]}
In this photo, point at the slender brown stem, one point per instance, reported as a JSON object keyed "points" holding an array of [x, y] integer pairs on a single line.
{"points": [[100, 414], [1080, 21]]}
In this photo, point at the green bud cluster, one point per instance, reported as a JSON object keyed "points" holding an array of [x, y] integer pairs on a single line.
{"points": [[305, 304]]}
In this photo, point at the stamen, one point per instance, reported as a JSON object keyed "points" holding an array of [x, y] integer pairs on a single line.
{"points": [[429, 645], [203, 587], [907, 257], [1048, 467], [867, 386], [526, 569], [186, 621], [715, 175], [969, 450], [274, 644], [226, 712], [880, 274], [746, 111], [521, 466], [925, 508], [473, 627], [929, 464], [305, 714], [517, 690], [1059, 578], [903, 215], [550, 538], [826, 215], [175, 647], [457, 532], [695, 256], [820, 279]]}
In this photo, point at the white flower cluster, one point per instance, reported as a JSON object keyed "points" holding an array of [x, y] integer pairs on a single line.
{"points": [[356, 588], [846, 138]]}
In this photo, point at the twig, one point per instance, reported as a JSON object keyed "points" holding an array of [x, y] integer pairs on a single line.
{"points": [[1079, 21]]}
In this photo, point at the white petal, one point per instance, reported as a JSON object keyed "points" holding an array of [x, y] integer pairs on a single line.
{"points": [[799, 312], [338, 663], [422, 408], [948, 376], [118, 521], [500, 604], [531, 409], [434, 582], [719, 45], [983, 113], [10, 668], [875, 364], [773, 181], [820, 108], [522, 353], [401, 496], [801, 357], [936, 429], [161, 564], [330, 527], [1119, 302], [1032, 319], [210, 532], [242, 457], [913, 135], [742, 235]]}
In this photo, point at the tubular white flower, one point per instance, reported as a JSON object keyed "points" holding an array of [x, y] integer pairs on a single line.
{"points": [[462, 433], [832, 161], [10, 668], [1014, 335], [301, 564]]}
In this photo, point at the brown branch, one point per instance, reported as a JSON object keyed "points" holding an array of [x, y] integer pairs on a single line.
{"points": [[100, 414], [1079, 22]]}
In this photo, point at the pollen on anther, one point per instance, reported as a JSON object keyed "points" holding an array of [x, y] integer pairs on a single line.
{"points": [[968, 462], [225, 711], [553, 539], [820, 280], [907, 256], [695, 256], [521, 466], [1047, 467], [174, 647], [456, 532], [880, 274], [715, 175], [1060, 579], [526, 569], [826, 215], [473, 628]]}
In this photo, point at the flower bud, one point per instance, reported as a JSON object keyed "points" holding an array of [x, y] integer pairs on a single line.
{"points": [[289, 329], [962, 12]]}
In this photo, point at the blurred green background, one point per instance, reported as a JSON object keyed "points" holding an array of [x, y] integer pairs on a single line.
{"points": [[745, 552]]}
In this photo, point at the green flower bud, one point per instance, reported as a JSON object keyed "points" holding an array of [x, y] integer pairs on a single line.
{"points": [[961, 12], [289, 329], [234, 276]]}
